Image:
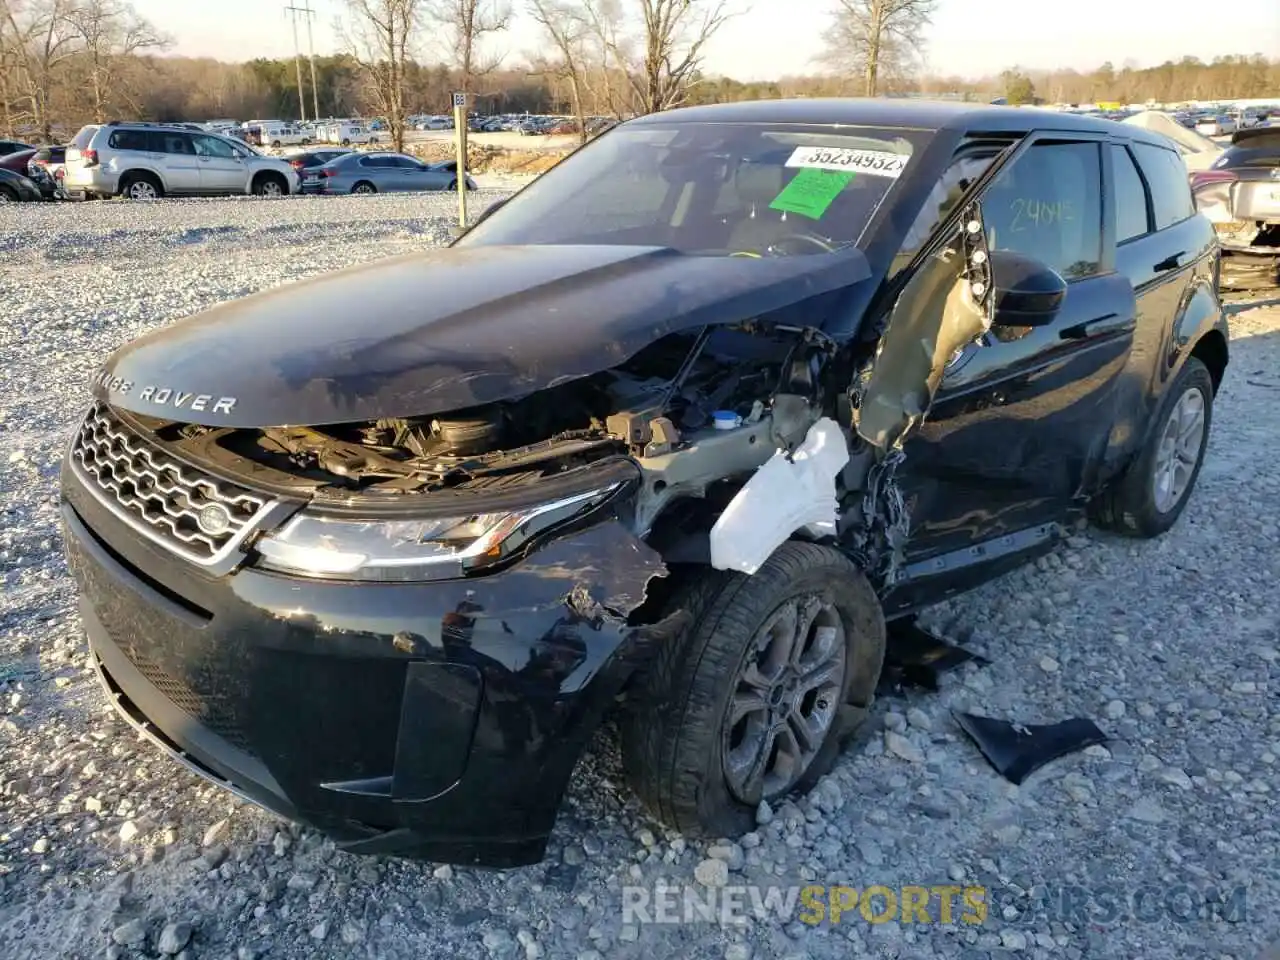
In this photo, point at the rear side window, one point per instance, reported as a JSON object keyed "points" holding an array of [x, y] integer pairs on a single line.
{"points": [[131, 140], [175, 143], [1130, 196], [1048, 205], [81, 139], [1170, 185]]}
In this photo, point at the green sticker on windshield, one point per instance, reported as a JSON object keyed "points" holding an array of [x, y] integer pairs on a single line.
{"points": [[811, 191]]}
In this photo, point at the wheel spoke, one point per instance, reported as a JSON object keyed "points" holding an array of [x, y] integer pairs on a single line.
{"points": [[778, 639], [806, 731], [755, 765], [746, 703]]}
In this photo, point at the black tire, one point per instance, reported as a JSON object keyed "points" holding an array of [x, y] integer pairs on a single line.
{"points": [[275, 144], [346, 143], [130, 181], [674, 736], [7, 194], [263, 183], [1129, 505], [364, 186]]}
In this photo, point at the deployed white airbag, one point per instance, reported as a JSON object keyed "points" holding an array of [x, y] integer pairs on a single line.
{"points": [[785, 495]]}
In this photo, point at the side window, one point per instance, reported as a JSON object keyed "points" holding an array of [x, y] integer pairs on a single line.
{"points": [[213, 147], [1048, 205], [1130, 196], [1170, 185], [130, 140], [373, 161], [173, 143]]}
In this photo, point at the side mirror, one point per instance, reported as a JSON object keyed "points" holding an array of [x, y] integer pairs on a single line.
{"points": [[1028, 293]]}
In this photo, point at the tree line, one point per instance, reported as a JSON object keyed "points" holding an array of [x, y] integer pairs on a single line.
{"points": [[67, 62]]}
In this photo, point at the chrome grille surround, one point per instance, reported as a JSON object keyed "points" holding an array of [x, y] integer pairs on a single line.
{"points": [[159, 496]]}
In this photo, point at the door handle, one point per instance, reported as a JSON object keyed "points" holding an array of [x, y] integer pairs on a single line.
{"points": [[1172, 262], [1111, 323]]}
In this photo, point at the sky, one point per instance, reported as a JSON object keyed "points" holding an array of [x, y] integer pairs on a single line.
{"points": [[779, 37]]}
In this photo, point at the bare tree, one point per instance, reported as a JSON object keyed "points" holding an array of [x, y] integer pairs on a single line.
{"points": [[111, 32], [465, 25], [877, 38], [378, 36], [567, 26], [39, 41], [660, 54]]}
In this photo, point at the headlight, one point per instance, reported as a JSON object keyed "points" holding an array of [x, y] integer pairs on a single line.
{"points": [[322, 546]]}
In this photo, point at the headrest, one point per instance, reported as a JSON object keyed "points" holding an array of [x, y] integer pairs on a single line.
{"points": [[758, 182]]}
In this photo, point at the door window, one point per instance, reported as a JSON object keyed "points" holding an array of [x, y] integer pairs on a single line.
{"points": [[1048, 205], [213, 147], [174, 143], [1170, 184], [1130, 196]]}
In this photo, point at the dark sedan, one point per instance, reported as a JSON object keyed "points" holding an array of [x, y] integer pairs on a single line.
{"points": [[15, 188], [673, 431], [13, 146]]}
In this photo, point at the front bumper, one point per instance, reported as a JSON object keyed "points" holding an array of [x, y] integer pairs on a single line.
{"points": [[434, 720]]}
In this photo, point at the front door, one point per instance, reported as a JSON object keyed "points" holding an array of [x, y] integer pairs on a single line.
{"points": [[1023, 415], [221, 169]]}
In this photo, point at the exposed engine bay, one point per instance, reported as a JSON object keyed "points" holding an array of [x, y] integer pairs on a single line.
{"points": [[653, 402]]}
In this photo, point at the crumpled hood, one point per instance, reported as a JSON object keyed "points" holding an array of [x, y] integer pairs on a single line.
{"points": [[443, 330]]}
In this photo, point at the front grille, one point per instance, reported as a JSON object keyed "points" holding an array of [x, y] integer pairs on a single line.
{"points": [[210, 710], [195, 515]]}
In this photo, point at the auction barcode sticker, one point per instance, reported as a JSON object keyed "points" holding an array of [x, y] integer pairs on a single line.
{"points": [[876, 163]]}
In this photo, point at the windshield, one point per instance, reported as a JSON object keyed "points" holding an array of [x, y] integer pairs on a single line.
{"points": [[710, 188]]}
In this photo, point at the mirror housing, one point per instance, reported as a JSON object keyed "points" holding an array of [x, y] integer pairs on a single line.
{"points": [[1028, 293]]}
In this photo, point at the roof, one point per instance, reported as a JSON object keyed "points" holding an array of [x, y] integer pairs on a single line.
{"points": [[889, 112]]}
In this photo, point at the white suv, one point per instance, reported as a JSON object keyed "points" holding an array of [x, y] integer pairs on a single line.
{"points": [[145, 161]]}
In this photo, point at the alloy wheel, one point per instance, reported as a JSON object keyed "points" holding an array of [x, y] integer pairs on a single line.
{"points": [[271, 188], [785, 699], [1179, 450], [142, 190]]}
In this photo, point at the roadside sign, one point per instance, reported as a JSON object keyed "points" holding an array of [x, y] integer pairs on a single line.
{"points": [[459, 99]]}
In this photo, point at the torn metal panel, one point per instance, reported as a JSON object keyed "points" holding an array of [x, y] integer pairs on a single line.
{"points": [[1017, 751], [789, 493], [948, 303]]}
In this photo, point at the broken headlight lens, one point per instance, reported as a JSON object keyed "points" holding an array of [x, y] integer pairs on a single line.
{"points": [[323, 546]]}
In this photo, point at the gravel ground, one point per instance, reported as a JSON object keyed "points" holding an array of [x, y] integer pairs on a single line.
{"points": [[108, 849]]}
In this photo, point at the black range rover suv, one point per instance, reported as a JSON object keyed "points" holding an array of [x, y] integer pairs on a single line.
{"points": [[681, 425]]}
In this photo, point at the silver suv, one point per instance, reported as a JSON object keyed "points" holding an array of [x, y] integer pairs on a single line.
{"points": [[145, 161]]}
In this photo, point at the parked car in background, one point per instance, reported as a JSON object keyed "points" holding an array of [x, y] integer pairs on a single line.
{"points": [[18, 160], [278, 135], [348, 134], [147, 161], [13, 146], [16, 188], [671, 432], [307, 162], [383, 173], [1219, 125], [51, 159], [1240, 194]]}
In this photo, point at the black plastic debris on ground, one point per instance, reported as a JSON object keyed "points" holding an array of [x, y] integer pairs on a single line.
{"points": [[1017, 751], [916, 657]]}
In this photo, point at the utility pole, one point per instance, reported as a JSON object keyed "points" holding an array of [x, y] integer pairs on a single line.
{"points": [[311, 48], [297, 61]]}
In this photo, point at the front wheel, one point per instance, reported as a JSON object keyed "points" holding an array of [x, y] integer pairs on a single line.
{"points": [[7, 195], [1151, 494], [753, 702], [269, 187]]}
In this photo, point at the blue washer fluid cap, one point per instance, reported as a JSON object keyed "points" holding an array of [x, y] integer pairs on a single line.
{"points": [[725, 420]]}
